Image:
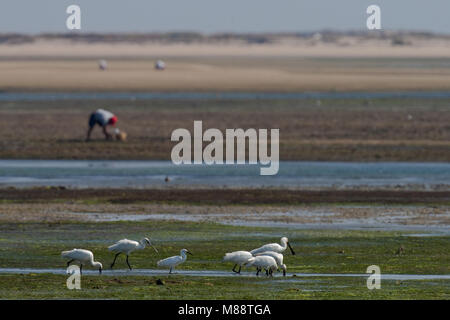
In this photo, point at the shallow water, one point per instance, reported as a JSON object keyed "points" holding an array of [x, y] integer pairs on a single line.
{"points": [[426, 235], [212, 273], [292, 174], [269, 220], [56, 96]]}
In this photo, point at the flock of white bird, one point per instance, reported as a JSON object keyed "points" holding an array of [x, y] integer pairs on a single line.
{"points": [[268, 257]]}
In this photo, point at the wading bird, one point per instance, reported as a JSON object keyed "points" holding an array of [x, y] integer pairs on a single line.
{"points": [[262, 262], [83, 257], [128, 246], [274, 247], [238, 258], [278, 258], [172, 262]]}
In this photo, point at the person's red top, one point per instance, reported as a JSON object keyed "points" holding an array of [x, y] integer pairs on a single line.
{"points": [[113, 120]]}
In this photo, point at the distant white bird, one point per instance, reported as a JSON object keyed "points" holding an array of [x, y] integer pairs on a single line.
{"points": [[263, 262], [278, 258], [238, 258], [128, 246], [172, 262], [83, 257], [274, 247]]}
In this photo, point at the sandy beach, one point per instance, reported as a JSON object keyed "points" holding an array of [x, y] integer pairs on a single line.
{"points": [[344, 65]]}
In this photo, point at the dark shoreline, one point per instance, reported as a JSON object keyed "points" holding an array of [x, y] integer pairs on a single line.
{"points": [[222, 196]]}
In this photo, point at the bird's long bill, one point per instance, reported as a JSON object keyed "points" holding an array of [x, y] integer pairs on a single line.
{"points": [[189, 253], [292, 250], [156, 250]]}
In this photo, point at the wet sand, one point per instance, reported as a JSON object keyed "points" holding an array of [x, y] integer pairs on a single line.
{"points": [[310, 129], [428, 218]]}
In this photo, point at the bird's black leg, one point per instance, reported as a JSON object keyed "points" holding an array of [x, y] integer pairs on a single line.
{"points": [[115, 257], [68, 263], [170, 271], [239, 270], [267, 273], [128, 263], [81, 268], [257, 271], [234, 268]]}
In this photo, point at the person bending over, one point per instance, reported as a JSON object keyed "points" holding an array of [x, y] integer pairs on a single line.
{"points": [[103, 118]]}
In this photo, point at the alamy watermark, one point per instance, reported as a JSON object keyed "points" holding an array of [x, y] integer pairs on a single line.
{"points": [[213, 152], [73, 22], [374, 20], [374, 280], [74, 280]]}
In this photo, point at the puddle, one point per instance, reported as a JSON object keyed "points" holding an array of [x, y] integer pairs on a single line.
{"points": [[383, 276], [228, 95], [213, 273], [420, 235]]}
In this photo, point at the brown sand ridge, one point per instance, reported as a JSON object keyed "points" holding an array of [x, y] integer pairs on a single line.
{"points": [[220, 197]]}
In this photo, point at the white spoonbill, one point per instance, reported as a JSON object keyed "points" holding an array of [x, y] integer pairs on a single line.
{"points": [[128, 246], [268, 263], [172, 262], [238, 258], [83, 257], [278, 258], [274, 247]]}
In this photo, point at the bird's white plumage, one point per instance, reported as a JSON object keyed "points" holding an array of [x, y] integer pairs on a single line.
{"points": [[127, 246], [265, 262], [81, 255], [278, 258], [172, 262], [238, 257], [275, 247]]}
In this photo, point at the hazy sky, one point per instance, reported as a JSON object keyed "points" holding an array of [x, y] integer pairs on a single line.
{"points": [[210, 16]]}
